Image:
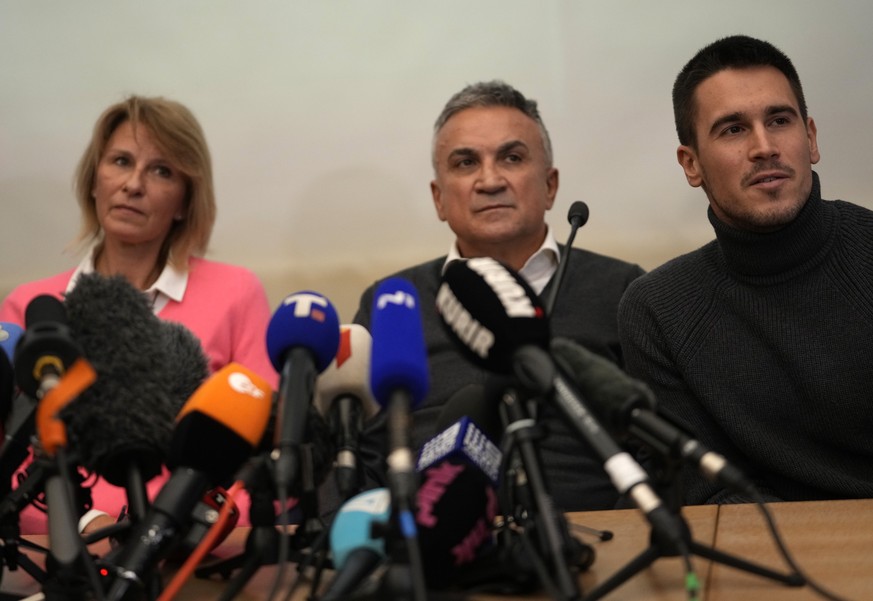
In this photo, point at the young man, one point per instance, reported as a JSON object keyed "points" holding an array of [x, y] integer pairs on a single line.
{"points": [[494, 181], [760, 341]]}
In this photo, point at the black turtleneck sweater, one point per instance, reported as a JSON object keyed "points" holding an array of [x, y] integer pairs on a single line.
{"points": [[762, 345]]}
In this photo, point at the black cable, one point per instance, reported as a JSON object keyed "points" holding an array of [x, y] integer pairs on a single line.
{"points": [[692, 582], [783, 549]]}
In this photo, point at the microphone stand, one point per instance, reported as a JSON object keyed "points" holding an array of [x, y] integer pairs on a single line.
{"points": [[13, 501], [262, 544], [137, 497], [348, 472], [67, 557], [405, 575], [12, 454], [658, 547], [577, 216], [12, 557], [537, 511]]}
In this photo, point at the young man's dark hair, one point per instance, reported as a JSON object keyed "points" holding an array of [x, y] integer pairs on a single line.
{"points": [[734, 52]]}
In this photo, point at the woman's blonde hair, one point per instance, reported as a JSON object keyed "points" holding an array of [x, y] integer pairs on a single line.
{"points": [[179, 136]]}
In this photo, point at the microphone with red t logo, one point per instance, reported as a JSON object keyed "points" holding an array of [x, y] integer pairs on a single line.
{"points": [[302, 340]]}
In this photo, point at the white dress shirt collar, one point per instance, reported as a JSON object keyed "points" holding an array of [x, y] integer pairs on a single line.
{"points": [[170, 285], [536, 271]]}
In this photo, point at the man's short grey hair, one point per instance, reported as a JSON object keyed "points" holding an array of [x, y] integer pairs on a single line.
{"points": [[491, 93]]}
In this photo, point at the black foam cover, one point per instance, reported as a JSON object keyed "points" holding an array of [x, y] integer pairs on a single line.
{"points": [[184, 354], [44, 308], [578, 214], [398, 359], [456, 506], [146, 369], [206, 445], [46, 334], [456, 502], [473, 402], [611, 393], [490, 312]]}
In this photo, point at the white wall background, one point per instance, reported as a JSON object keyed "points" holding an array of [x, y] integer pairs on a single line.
{"points": [[319, 116]]}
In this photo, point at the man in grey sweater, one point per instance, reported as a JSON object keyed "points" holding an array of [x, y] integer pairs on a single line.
{"points": [[494, 181]]}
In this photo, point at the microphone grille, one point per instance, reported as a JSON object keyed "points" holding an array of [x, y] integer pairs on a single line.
{"points": [[304, 319], [578, 213], [44, 308], [399, 353]]}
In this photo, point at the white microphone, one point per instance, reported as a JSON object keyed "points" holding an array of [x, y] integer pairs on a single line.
{"points": [[343, 397]]}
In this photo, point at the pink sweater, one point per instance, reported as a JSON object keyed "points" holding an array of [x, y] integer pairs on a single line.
{"points": [[225, 306]]}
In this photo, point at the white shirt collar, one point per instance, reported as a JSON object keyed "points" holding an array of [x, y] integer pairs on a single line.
{"points": [[536, 271], [170, 285]]}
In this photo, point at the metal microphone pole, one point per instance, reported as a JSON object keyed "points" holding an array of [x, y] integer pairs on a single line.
{"points": [[547, 523], [577, 216]]}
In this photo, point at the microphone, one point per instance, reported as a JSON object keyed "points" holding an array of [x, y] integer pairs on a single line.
{"points": [[342, 394], [302, 339], [147, 368], [456, 503], [216, 431], [49, 367], [399, 356], [490, 312], [47, 349], [398, 371], [356, 542], [577, 216], [16, 411], [456, 500], [628, 407], [42, 354], [484, 283], [399, 381], [463, 437]]}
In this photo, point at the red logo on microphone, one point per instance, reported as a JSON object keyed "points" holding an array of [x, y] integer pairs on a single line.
{"points": [[344, 352]]}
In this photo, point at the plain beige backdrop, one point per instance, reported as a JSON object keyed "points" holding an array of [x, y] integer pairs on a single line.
{"points": [[319, 117]]}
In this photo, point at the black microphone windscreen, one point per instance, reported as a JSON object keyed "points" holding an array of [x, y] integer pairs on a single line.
{"points": [[611, 392], [490, 312], [456, 502], [145, 370], [47, 335], [471, 401], [456, 506], [182, 350], [44, 308], [202, 443], [578, 213]]}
